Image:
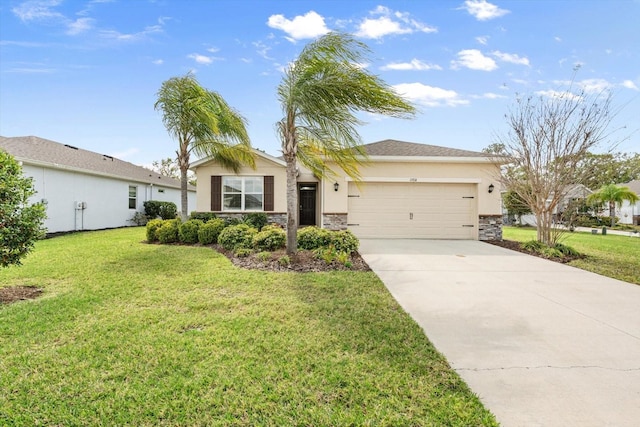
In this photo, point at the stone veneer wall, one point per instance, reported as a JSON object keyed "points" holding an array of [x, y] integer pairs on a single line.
{"points": [[490, 227], [278, 218], [334, 221]]}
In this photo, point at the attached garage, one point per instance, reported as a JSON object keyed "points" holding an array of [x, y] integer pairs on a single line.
{"points": [[413, 210]]}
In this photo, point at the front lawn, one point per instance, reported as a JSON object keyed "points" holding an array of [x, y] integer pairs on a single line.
{"points": [[610, 255], [128, 333]]}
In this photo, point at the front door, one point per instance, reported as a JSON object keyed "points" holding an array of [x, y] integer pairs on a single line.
{"points": [[307, 199]]}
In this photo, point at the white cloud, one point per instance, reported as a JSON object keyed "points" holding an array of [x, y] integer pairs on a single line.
{"points": [[213, 49], [629, 85], [80, 25], [414, 64], [390, 22], [116, 35], [37, 10], [482, 39], [594, 85], [262, 50], [429, 96], [558, 39], [157, 62], [483, 10], [475, 60], [559, 95], [200, 59], [305, 26], [510, 57], [489, 95]]}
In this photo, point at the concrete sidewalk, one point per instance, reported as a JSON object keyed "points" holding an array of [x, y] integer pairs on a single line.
{"points": [[541, 343]]}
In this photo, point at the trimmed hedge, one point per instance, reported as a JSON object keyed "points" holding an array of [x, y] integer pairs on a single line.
{"points": [[188, 231], [270, 238], [164, 210], [344, 241], [168, 232], [237, 236], [152, 230], [311, 238], [209, 231]]}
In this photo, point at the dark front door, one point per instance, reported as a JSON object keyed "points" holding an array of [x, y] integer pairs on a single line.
{"points": [[307, 199]]}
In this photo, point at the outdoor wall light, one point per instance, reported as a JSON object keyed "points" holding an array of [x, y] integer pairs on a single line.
{"points": [[491, 187], [336, 186]]}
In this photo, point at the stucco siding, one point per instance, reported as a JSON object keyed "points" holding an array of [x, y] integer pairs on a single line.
{"points": [[106, 199]]}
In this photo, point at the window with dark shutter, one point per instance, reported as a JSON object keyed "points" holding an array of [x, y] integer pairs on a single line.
{"points": [[216, 193], [268, 193]]}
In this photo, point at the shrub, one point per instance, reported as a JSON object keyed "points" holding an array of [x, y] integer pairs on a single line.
{"points": [[327, 254], [284, 260], [188, 231], [203, 216], [566, 250], [551, 252], [270, 239], [242, 252], [164, 210], [344, 241], [152, 229], [311, 238], [256, 220], [264, 256], [139, 218], [230, 221], [533, 246], [209, 231], [237, 236], [168, 232]]}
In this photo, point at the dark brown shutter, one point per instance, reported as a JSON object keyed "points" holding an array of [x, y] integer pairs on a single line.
{"points": [[268, 193], [216, 193]]}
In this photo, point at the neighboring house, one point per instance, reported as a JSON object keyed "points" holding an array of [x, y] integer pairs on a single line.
{"points": [[630, 213], [84, 190], [407, 190], [571, 193]]}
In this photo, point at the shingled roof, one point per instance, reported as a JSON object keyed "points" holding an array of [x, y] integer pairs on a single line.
{"points": [[391, 147], [31, 149]]}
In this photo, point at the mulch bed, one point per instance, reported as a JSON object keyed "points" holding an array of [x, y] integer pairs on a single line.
{"points": [[18, 293], [516, 246], [302, 262]]}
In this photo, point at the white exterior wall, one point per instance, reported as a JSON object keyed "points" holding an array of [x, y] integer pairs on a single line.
{"points": [[106, 199], [627, 211]]}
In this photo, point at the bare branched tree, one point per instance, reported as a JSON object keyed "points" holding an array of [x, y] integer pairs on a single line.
{"points": [[549, 135]]}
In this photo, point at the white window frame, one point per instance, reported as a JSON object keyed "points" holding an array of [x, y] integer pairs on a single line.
{"points": [[243, 193], [134, 198]]}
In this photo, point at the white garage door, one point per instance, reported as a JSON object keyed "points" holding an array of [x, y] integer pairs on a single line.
{"points": [[413, 210]]}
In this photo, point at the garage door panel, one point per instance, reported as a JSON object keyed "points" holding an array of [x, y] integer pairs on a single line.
{"points": [[413, 210]]}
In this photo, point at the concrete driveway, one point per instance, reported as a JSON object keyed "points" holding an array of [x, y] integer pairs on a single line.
{"points": [[541, 343]]}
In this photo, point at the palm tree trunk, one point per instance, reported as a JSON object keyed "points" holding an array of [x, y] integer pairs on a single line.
{"points": [[292, 205], [184, 200], [612, 212]]}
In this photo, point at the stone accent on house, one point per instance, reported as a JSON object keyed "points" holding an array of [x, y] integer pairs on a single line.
{"points": [[490, 227], [334, 221]]}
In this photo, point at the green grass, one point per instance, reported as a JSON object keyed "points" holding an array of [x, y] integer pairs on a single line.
{"points": [[148, 335], [610, 255]]}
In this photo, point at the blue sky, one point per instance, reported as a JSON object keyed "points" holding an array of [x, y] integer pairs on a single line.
{"points": [[86, 73]]}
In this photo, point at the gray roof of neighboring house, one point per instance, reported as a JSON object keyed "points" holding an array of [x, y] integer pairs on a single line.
{"points": [[633, 186], [31, 149], [391, 147]]}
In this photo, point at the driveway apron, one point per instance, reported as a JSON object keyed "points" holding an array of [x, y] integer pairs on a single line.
{"points": [[541, 343]]}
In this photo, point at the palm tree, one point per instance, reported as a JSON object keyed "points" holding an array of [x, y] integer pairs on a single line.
{"points": [[320, 94], [613, 195], [205, 125]]}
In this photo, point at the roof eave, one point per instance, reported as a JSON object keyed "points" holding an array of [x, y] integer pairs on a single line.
{"points": [[52, 165]]}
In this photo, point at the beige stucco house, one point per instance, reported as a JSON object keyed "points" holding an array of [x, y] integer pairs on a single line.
{"points": [[407, 190]]}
